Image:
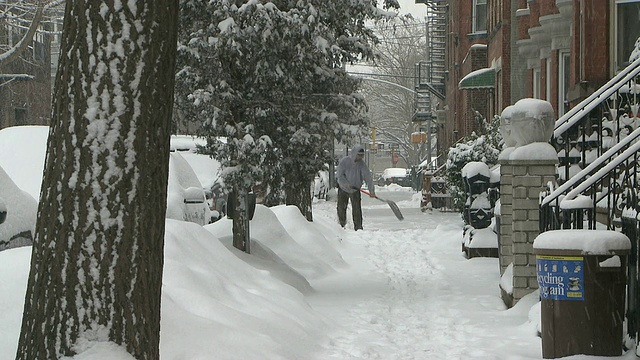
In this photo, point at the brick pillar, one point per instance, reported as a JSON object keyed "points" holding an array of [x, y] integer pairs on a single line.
{"points": [[505, 255], [529, 178], [505, 242]]}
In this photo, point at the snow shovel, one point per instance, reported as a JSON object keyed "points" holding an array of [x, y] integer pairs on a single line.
{"points": [[392, 205]]}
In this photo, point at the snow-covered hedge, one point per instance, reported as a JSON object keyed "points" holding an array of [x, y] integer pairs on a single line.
{"points": [[484, 147]]}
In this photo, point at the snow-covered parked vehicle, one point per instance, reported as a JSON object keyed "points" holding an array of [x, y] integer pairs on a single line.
{"points": [[19, 209], [22, 153], [321, 185], [398, 176], [206, 169], [185, 196]]}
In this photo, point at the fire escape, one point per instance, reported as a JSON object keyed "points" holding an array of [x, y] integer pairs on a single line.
{"points": [[429, 74]]}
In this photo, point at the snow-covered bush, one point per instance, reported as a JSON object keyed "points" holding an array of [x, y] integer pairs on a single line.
{"points": [[484, 147]]}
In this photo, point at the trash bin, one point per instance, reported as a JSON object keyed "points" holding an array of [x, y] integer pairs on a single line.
{"points": [[582, 281]]}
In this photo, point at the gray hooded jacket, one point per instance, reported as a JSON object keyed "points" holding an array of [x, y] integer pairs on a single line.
{"points": [[352, 173]]}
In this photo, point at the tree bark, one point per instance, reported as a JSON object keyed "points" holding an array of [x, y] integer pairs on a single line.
{"points": [[298, 193], [96, 266], [240, 215]]}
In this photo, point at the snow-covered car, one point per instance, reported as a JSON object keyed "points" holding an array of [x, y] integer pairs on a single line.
{"points": [[398, 176], [206, 169], [321, 185], [20, 210], [186, 199], [22, 153]]}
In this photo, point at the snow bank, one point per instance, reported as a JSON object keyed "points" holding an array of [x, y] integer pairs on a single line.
{"points": [[267, 231], [199, 298], [308, 235]]}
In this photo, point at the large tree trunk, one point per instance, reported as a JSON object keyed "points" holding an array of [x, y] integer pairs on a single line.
{"points": [[240, 219], [96, 267], [298, 193]]}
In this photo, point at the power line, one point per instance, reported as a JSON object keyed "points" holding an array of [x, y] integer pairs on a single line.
{"points": [[369, 65], [392, 26], [381, 75]]}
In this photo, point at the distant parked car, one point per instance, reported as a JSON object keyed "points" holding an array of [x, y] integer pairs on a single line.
{"points": [[321, 185], [398, 176]]}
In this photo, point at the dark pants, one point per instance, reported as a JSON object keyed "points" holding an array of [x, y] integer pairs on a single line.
{"points": [[356, 208]]}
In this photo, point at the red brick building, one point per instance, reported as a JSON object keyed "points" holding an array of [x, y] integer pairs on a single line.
{"points": [[557, 50], [466, 52]]}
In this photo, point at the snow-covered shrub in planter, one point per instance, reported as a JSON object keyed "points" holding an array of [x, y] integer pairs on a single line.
{"points": [[484, 147]]}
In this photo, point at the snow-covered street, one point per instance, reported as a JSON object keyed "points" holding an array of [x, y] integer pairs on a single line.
{"points": [[396, 290], [413, 295]]}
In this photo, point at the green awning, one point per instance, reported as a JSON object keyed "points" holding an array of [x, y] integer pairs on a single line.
{"points": [[479, 79]]}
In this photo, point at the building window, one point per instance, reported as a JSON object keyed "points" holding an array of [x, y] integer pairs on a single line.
{"points": [[536, 83], [564, 71], [627, 30], [479, 16]]}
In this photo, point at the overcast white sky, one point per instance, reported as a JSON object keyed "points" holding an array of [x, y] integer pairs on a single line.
{"points": [[410, 7]]}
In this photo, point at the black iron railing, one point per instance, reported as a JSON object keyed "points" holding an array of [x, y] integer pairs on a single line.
{"points": [[598, 143]]}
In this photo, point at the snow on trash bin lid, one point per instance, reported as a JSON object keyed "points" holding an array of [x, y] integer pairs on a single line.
{"points": [[593, 242]]}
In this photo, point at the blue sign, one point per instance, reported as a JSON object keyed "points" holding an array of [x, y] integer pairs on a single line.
{"points": [[560, 277]]}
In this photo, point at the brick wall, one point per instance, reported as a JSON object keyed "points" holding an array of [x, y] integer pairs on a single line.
{"points": [[459, 43], [595, 58]]}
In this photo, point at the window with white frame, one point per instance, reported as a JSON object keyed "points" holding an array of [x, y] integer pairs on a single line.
{"points": [[479, 16], [564, 71], [627, 30], [536, 83]]}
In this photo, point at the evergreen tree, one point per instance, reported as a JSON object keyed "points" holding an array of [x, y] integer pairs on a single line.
{"points": [[268, 78]]}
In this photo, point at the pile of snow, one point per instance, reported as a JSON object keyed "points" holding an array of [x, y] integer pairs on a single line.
{"points": [[213, 302], [207, 290], [21, 208], [311, 256]]}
